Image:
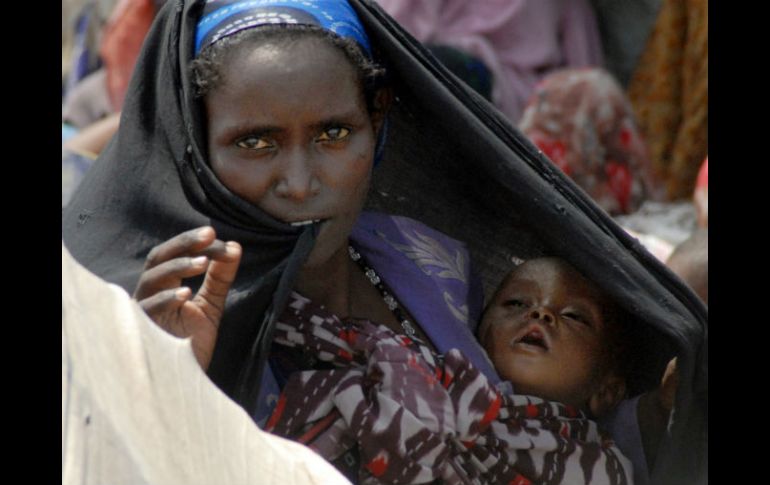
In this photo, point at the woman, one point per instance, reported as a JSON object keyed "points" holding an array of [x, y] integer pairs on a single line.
{"points": [[180, 163], [584, 123]]}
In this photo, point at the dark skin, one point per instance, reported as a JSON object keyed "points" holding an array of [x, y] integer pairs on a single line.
{"points": [[174, 307], [546, 332], [299, 157], [551, 289]]}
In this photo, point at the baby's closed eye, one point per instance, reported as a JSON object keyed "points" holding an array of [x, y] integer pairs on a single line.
{"points": [[577, 316]]}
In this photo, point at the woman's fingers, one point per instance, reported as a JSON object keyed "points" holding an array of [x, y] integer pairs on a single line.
{"points": [[216, 250], [219, 277], [165, 302], [185, 244], [168, 275], [173, 307], [183, 256]]}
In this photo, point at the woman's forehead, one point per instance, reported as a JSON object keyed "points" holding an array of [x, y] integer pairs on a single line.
{"points": [[264, 92], [309, 67]]}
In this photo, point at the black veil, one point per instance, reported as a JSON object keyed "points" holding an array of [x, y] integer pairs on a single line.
{"points": [[476, 178]]}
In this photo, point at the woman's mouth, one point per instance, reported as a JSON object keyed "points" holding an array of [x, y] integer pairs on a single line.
{"points": [[305, 222]]}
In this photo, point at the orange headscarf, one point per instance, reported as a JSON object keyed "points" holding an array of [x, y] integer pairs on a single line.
{"points": [[669, 92]]}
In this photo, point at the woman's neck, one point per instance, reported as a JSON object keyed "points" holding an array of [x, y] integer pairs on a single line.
{"points": [[329, 284], [341, 287]]}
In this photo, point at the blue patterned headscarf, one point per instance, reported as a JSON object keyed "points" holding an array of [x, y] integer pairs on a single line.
{"points": [[222, 18]]}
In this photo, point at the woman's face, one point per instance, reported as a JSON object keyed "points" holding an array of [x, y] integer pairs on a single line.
{"points": [[289, 132]]}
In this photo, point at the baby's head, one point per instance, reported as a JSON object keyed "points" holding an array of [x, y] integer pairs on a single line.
{"points": [[554, 334]]}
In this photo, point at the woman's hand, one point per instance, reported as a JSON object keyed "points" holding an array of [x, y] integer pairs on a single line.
{"points": [[172, 306]]}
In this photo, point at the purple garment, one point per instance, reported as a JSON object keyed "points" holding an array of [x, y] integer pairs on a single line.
{"points": [[430, 274], [520, 41]]}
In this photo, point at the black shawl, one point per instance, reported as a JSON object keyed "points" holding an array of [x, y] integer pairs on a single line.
{"points": [[451, 161]]}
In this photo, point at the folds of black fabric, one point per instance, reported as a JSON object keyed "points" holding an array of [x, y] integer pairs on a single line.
{"points": [[454, 162], [451, 161]]}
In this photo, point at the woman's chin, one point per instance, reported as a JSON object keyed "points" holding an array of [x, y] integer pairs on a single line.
{"points": [[331, 247]]}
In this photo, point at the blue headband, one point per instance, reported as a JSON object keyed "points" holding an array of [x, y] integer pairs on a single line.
{"points": [[222, 18]]}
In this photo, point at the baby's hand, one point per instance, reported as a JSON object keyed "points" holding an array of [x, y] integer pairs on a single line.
{"points": [[668, 386], [173, 307], [653, 411]]}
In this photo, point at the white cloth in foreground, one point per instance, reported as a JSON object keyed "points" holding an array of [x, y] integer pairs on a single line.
{"points": [[137, 408]]}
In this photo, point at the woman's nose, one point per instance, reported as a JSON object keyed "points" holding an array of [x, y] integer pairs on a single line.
{"points": [[297, 179], [542, 314]]}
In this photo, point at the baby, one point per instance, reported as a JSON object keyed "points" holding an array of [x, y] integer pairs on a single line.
{"points": [[416, 416], [555, 335]]}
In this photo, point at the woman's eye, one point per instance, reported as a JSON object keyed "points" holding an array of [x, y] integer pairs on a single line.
{"points": [[334, 134], [253, 143]]}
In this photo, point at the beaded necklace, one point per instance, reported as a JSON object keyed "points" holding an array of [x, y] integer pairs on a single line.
{"points": [[387, 296]]}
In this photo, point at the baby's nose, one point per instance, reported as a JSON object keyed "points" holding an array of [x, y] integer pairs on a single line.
{"points": [[542, 314]]}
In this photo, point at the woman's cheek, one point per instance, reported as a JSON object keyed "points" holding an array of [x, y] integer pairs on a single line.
{"points": [[249, 181], [357, 175]]}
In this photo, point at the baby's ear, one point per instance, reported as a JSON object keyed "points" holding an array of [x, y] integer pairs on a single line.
{"points": [[611, 391]]}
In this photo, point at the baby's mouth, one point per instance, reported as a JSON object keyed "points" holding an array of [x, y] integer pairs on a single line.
{"points": [[533, 336]]}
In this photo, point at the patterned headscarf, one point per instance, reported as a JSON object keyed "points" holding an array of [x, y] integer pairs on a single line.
{"points": [[222, 18], [583, 122]]}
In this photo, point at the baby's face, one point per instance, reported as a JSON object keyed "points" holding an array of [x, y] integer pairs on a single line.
{"points": [[544, 331]]}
